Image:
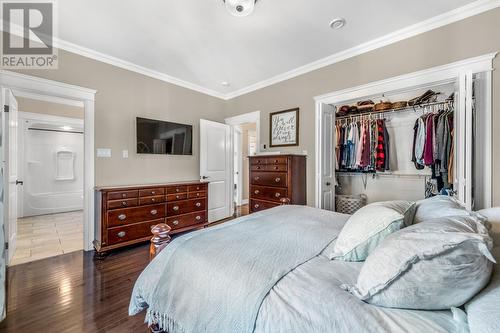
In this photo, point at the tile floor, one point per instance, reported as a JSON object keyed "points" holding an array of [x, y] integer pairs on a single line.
{"points": [[47, 236]]}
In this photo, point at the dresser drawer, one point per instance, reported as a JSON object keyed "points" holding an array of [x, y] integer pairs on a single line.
{"points": [[268, 178], [131, 232], [122, 203], [185, 206], [193, 195], [150, 192], [276, 167], [176, 189], [186, 220], [277, 160], [196, 188], [258, 167], [268, 193], [123, 195], [258, 160], [151, 200], [137, 214], [176, 197], [257, 205]]}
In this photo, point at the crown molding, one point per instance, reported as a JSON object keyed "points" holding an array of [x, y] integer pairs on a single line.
{"points": [[92, 54], [455, 15]]}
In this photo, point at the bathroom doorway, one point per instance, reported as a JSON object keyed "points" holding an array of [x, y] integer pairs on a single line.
{"points": [[50, 170]]}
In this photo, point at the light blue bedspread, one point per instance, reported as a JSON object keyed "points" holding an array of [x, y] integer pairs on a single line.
{"points": [[216, 280], [308, 299]]}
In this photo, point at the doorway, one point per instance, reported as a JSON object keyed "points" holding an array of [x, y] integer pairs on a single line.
{"points": [[245, 129], [50, 169]]}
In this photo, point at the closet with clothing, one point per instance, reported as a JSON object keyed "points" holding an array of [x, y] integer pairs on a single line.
{"points": [[408, 138]]}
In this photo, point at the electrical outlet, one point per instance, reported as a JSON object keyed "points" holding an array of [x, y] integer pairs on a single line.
{"points": [[104, 152], [125, 153]]}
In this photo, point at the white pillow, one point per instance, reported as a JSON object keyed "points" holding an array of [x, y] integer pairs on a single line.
{"points": [[438, 206], [433, 265], [369, 226]]}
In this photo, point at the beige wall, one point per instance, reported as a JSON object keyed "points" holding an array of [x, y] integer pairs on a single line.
{"points": [[53, 109], [468, 38], [122, 95], [245, 128]]}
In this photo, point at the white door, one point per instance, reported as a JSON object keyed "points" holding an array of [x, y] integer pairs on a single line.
{"points": [[327, 136], [463, 141], [237, 166], [10, 123], [215, 167]]}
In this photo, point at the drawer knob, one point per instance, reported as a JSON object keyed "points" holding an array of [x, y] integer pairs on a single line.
{"points": [[257, 178], [256, 191], [256, 205], [153, 200], [198, 218], [154, 212], [275, 161], [177, 196], [124, 195], [197, 194], [153, 192], [175, 222], [121, 234], [124, 203], [198, 204], [277, 195], [276, 168], [197, 188], [176, 208], [177, 190], [258, 168], [122, 217], [277, 179]]}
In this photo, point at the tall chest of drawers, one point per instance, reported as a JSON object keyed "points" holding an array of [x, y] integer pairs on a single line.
{"points": [[125, 215], [274, 177]]}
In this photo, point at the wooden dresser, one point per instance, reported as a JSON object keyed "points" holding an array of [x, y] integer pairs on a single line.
{"points": [[274, 177], [125, 215]]}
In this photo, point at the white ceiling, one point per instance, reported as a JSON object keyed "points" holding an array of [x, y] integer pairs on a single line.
{"points": [[198, 42]]}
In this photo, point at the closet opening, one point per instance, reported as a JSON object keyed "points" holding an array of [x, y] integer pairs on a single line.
{"points": [[408, 138]]}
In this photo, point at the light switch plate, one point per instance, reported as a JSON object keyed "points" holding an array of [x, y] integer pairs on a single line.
{"points": [[103, 152], [125, 153]]}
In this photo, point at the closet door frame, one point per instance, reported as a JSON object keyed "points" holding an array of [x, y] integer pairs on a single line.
{"points": [[450, 73]]}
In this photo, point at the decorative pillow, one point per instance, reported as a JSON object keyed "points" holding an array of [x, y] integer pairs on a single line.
{"points": [[433, 265], [369, 226], [438, 206]]}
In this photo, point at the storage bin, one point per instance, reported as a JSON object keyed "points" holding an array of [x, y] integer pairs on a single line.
{"points": [[349, 204]]}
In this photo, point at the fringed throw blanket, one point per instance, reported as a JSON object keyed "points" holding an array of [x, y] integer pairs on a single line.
{"points": [[215, 280]]}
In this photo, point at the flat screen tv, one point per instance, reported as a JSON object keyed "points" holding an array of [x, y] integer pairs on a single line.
{"points": [[163, 137]]}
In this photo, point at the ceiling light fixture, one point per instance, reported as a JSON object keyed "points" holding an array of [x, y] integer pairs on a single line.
{"points": [[240, 8], [225, 84], [337, 23]]}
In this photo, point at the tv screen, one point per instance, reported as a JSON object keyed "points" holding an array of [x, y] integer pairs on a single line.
{"points": [[163, 137]]}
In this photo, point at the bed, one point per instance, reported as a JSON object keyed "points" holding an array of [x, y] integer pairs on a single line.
{"points": [[268, 272]]}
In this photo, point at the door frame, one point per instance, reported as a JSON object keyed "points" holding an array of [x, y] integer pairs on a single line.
{"points": [[250, 117], [85, 97], [435, 75], [239, 188]]}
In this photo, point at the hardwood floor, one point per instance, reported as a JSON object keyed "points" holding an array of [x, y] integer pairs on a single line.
{"points": [[76, 293]]}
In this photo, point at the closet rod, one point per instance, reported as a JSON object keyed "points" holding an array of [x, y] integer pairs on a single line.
{"points": [[406, 108], [53, 130], [382, 174]]}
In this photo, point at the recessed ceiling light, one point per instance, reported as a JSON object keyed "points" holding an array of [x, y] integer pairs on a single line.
{"points": [[337, 23], [225, 84], [240, 8]]}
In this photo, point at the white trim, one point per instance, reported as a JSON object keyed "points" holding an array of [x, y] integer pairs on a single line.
{"points": [[436, 75], [39, 86], [472, 9], [244, 202], [488, 160], [92, 54], [452, 16], [424, 77], [49, 118], [45, 98]]}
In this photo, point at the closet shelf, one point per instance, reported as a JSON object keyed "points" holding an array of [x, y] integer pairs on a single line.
{"points": [[413, 107], [383, 174]]}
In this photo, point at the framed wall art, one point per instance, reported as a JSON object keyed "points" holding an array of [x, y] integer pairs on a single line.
{"points": [[284, 128]]}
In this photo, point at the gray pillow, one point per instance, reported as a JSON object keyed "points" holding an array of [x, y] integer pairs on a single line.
{"points": [[433, 265], [369, 226], [438, 206]]}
